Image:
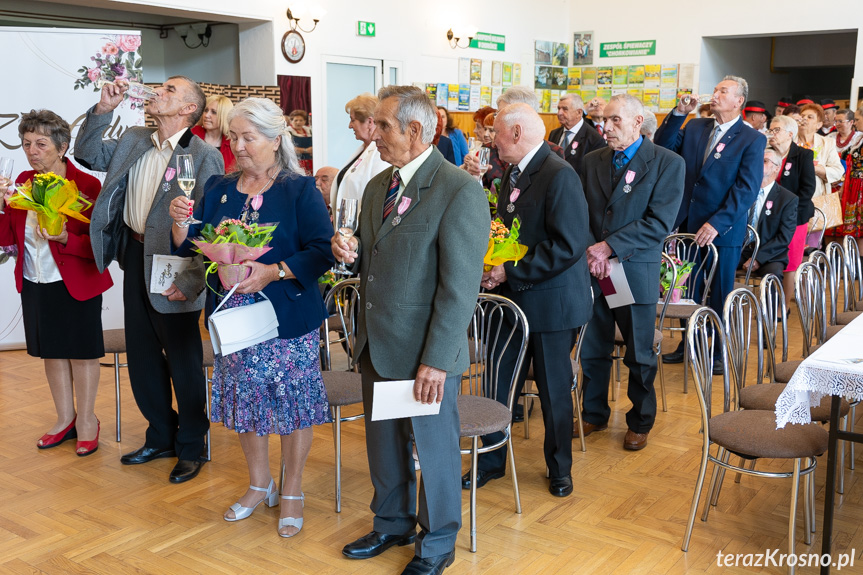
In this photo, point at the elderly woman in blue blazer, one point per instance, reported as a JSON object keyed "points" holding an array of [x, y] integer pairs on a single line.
{"points": [[274, 387]]}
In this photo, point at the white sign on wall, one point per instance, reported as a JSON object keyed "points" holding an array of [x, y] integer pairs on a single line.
{"points": [[56, 69]]}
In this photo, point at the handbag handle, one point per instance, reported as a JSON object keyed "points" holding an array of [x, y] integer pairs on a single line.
{"points": [[230, 293]]}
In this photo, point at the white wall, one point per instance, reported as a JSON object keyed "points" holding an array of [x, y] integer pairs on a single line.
{"points": [[218, 63], [746, 57]]}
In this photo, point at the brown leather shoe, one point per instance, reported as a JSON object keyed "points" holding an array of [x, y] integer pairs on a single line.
{"points": [[588, 428], [634, 441]]}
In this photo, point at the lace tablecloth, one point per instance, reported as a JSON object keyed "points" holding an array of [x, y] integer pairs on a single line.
{"points": [[836, 368]]}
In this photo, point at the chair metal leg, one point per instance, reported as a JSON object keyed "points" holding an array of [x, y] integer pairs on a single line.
{"points": [[207, 382], [514, 476], [474, 461], [685, 369], [812, 500], [807, 506], [526, 413], [719, 480], [852, 418], [577, 412], [661, 377], [792, 516], [337, 440], [711, 486], [693, 508], [840, 464], [117, 390]]}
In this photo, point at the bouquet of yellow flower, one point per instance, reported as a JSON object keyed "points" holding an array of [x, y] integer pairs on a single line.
{"points": [[54, 199], [503, 244]]}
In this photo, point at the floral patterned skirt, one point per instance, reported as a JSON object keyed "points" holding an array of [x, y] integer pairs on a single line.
{"points": [[852, 209], [274, 387]]}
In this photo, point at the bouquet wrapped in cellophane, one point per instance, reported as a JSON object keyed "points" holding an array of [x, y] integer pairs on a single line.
{"points": [[232, 242], [54, 199], [503, 244]]}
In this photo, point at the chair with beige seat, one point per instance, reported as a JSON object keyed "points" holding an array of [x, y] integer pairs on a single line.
{"points": [[747, 434], [498, 325]]}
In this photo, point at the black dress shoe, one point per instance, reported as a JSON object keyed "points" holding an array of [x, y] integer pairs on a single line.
{"points": [[429, 565], [518, 412], [675, 356], [560, 486], [482, 477], [375, 543], [185, 470], [145, 454]]}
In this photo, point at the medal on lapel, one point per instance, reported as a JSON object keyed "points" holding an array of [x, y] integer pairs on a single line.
{"points": [[513, 196], [719, 149], [768, 205], [169, 175], [574, 146], [356, 165], [787, 169], [256, 205], [224, 199], [403, 207], [630, 176]]}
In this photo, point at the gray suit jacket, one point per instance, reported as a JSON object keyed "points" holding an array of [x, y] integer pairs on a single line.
{"points": [[109, 233], [635, 224], [420, 278]]}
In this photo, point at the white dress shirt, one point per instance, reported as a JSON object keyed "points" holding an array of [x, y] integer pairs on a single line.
{"points": [[144, 179]]}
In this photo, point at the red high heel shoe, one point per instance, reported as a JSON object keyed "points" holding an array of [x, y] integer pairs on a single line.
{"points": [[89, 447], [53, 440]]}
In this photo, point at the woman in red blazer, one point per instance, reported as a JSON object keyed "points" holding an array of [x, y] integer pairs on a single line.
{"points": [[61, 289], [213, 128]]}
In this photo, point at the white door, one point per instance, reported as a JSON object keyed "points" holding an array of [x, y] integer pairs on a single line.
{"points": [[344, 79]]}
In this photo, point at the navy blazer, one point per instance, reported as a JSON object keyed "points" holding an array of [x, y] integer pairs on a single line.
{"points": [[635, 223], [301, 240], [721, 191]]}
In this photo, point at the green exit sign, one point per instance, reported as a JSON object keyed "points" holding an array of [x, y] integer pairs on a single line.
{"points": [[365, 28]]}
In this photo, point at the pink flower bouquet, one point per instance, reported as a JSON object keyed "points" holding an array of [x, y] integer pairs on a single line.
{"points": [[229, 244]]}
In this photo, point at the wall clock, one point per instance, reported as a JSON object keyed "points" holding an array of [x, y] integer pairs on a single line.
{"points": [[293, 46]]}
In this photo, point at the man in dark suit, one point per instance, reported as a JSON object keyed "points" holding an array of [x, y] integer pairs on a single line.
{"points": [[575, 136], [724, 160], [550, 284], [774, 216], [633, 190], [130, 223], [422, 236]]}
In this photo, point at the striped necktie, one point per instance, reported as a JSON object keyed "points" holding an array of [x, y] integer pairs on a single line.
{"points": [[392, 192], [513, 176]]}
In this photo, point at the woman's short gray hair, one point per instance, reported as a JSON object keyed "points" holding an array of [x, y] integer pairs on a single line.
{"points": [[46, 123], [787, 123], [268, 119], [414, 105]]}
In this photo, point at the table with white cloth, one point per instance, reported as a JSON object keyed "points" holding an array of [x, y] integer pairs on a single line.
{"points": [[836, 369]]}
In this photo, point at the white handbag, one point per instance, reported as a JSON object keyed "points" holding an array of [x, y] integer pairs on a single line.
{"points": [[240, 327]]}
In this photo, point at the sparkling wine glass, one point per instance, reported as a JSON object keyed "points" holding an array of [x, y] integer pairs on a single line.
{"points": [[5, 177], [134, 90], [701, 98], [484, 159], [186, 181], [347, 227]]}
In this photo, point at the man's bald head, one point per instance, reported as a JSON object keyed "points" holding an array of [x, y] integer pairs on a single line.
{"points": [[518, 129]]}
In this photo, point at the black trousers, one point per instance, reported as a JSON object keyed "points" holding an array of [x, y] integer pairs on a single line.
{"points": [[636, 323], [775, 268], [164, 348], [552, 369]]}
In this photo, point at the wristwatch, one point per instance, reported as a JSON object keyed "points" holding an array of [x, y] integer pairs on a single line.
{"points": [[282, 273]]}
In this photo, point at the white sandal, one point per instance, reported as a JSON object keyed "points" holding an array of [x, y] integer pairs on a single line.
{"points": [[291, 521], [271, 498]]}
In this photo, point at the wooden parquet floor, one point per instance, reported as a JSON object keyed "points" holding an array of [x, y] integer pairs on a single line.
{"points": [[63, 514]]}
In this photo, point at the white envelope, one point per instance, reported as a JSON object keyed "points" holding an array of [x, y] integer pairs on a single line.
{"points": [[165, 270], [617, 286], [395, 400]]}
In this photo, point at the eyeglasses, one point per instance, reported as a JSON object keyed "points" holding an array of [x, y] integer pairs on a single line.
{"points": [[769, 161], [774, 131]]}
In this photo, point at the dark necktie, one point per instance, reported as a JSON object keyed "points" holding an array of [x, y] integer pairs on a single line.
{"points": [[513, 177], [392, 192], [619, 160]]}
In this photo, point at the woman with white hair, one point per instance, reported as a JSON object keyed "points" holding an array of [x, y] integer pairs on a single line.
{"points": [[274, 387], [796, 174]]}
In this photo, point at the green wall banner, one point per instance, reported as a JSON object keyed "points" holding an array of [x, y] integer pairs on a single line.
{"points": [[623, 49]]}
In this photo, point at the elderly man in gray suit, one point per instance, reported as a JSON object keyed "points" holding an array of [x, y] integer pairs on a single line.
{"points": [[633, 190], [130, 223], [422, 236]]}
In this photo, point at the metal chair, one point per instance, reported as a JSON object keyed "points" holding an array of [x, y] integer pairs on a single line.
{"points": [[748, 434], [775, 313], [814, 238], [855, 274], [115, 344], [657, 337], [840, 274], [209, 363], [751, 238], [495, 327], [576, 389], [683, 248], [343, 387]]}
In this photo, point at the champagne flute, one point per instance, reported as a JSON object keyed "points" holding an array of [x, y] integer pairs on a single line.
{"points": [[484, 159], [186, 181], [347, 227], [5, 177]]}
